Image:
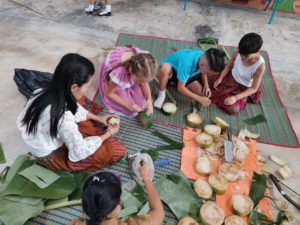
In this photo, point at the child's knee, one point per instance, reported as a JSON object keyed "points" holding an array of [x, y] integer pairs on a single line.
{"points": [[165, 68]]}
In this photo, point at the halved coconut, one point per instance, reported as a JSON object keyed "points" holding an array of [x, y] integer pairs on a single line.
{"points": [[221, 123], [213, 130], [242, 204], [204, 140], [194, 120], [229, 171], [169, 108], [211, 214], [113, 121], [218, 183], [202, 189], [187, 220], [234, 220], [203, 165]]}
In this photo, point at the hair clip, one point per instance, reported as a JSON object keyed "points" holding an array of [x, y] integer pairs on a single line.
{"points": [[95, 178]]}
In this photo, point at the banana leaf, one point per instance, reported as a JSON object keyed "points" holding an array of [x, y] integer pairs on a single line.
{"points": [[256, 119], [55, 201], [80, 178], [144, 209], [126, 212], [258, 188], [180, 197], [16, 213], [129, 200], [257, 218], [139, 193], [24, 200], [41, 176], [2, 156], [165, 138], [61, 188]]}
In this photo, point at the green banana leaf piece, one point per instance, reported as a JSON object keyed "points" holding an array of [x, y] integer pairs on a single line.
{"points": [[129, 200], [16, 213], [154, 154], [180, 197], [256, 119], [258, 188], [41, 176], [257, 218], [2, 156], [24, 200], [17, 182], [61, 188], [126, 212], [139, 193], [144, 209], [80, 178], [165, 138]]}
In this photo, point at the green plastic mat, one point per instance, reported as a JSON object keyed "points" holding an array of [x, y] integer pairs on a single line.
{"points": [[276, 131]]}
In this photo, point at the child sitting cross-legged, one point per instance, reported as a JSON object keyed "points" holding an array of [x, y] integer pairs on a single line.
{"points": [[240, 81]]}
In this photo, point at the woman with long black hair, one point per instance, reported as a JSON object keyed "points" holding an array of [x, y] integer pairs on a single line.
{"points": [[59, 131]]}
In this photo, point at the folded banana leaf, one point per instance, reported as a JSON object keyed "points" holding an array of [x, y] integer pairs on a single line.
{"points": [[139, 193], [144, 209], [256, 119], [126, 212], [2, 156], [41, 176], [179, 195], [16, 213]]}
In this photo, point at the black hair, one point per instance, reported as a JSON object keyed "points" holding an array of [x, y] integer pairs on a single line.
{"points": [[72, 69], [250, 43], [215, 59], [100, 195]]}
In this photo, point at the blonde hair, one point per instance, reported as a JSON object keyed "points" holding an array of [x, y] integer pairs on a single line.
{"points": [[141, 64]]}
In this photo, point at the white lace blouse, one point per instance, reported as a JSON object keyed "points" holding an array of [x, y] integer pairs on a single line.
{"points": [[42, 144]]}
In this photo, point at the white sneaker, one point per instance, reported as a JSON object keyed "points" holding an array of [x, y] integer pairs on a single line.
{"points": [[159, 102], [88, 9]]}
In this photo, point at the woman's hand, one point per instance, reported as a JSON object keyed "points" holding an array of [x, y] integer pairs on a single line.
{"points": [[114, 129], [149, 106], [204, 101], [230, 100], [144, 170], [217, 82], [104, 119], [134, 108], [207, 91]]}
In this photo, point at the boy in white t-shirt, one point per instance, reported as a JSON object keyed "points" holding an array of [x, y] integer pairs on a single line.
{"points": [[240, 81]]}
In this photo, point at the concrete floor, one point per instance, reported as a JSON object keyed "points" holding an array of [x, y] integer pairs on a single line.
{"points": [[38, 41]]}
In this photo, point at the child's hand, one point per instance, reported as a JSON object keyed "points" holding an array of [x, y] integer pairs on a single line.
{"points": [[144, 170], [217, 82], [207, 91], [135, 108], [204, 101], [230, 100], [149, 107]]}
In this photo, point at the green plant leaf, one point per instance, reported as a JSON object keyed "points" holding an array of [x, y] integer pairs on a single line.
{"points": [[2, 156], [80, 178], [129, 200], [61, 188], [139, 193], [126, 212], [16, 213], [256, 119], [258, 188], [41, 176], [164, 137], [257, 218], [180, 197], [24, 200]]}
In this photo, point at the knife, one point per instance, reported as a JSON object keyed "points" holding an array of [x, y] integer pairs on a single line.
{"points": [[228, 148]]}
